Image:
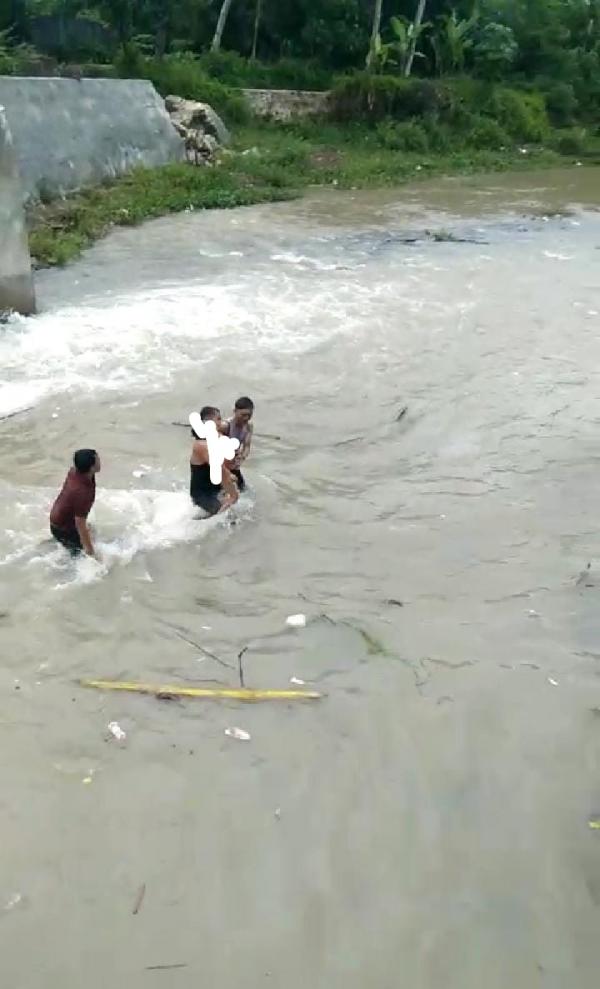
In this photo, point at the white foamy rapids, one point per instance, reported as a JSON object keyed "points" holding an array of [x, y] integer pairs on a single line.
{"points": [[140, 342], [125, 523]]}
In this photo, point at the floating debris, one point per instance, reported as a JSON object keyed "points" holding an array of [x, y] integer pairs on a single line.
{"points": [[116, 731], [137, 906], [297, 681], [553, 682], [296, 621], [165, 968], [239, 733], [206, 693], [583, 576]]}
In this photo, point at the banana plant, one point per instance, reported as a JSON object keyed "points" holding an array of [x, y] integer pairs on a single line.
{"points": [[452, 41], [403, 49], [415, 31], [374, 55]]}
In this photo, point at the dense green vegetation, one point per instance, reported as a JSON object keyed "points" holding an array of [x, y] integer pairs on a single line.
{"points": [[550, 45]]}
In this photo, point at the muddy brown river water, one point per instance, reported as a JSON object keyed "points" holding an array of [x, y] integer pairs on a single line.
{"points": [[427, 823]]}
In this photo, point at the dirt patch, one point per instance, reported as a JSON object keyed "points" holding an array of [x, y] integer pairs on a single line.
{"points": [[326, 158]]}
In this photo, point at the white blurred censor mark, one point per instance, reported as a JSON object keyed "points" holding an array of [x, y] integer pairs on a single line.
{"points": [[220, 448]]}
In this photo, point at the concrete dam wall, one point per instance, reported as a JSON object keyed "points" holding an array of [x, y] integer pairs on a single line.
{"points": [[58, 135], [16, 283], [70, 133]]}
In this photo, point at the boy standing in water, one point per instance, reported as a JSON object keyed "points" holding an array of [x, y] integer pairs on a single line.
{"points": [[212, 498], [240, 427], [68, 518]]}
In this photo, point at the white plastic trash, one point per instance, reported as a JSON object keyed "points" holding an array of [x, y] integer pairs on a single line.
{"points": [[239, 733], [116, 731], [297, 681], [296, 621]]}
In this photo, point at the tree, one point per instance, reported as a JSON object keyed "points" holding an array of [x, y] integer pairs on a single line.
{"points": [[119, 14], [495, 51], [257, 15], [452, 41], [223, 15], [417, 28], [375, 34]]}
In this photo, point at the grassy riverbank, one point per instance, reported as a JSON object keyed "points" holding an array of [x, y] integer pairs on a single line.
{"points": [[266, 164]]}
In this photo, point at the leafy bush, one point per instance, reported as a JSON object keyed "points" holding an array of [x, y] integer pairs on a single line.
{"points": [[288, 73], [182, 75], [371, 97], [478, 113], [90, 70], [495, 50], [562, 103], [145, 42], [487, 134], [571, 142], [441, 138], [226, 66], [523, 115], [14, 58], [406, 136], [130, 62]]}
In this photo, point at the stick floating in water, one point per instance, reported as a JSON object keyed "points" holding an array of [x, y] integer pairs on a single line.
{"points": [[262, 436], [19, 412], [207, 693]]}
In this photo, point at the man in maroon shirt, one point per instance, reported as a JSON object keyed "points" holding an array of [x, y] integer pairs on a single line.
{"points": [[68, 518]]}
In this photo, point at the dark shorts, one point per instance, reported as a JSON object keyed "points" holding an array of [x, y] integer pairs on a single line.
{"points": [[210, 503], [69, 538], [239, 478]]}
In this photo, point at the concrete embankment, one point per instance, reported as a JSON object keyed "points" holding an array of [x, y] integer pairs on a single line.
{"points": [[58, 135], [16, 283], [70, 133]]}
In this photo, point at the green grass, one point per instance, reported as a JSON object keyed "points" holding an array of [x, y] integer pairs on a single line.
{"points": [[280, 162], [352, 157]]}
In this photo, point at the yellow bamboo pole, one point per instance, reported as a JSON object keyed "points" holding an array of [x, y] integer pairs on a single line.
{"points": [[215, 693]]}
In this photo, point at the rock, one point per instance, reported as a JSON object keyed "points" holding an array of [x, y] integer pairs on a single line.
{"points": [[195, 116], [209, 145]]}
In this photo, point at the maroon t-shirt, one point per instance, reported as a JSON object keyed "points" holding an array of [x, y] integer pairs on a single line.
{"points": [[75, 500]]}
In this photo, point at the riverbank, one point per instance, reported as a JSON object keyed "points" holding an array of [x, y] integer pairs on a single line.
{"points": [[267, 163]]}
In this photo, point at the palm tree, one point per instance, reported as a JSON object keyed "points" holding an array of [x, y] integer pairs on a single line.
{"points": [[375, 33], [257, 16], [417, 28], [223, 14]]}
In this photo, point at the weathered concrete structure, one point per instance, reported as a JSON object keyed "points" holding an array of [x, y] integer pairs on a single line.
{"points": [[16, 283], [286, 104], [70, 133]]}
